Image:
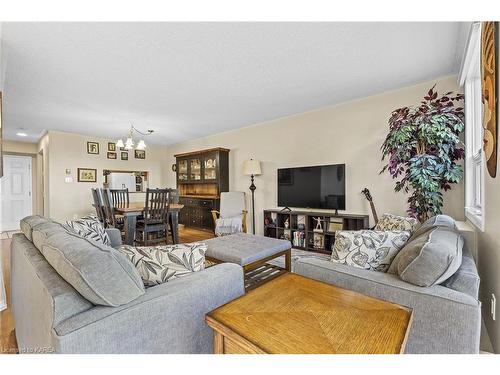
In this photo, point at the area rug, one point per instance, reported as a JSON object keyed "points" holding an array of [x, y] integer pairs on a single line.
{"points": [[296, 255]]}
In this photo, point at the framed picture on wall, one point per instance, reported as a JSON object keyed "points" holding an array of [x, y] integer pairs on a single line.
{"points": [[140, 154], [124, 155], [93, 148], [489, 38], [87, 175], [111, 147], [111, 155]]}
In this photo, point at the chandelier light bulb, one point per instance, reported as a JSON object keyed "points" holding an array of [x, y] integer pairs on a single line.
{"points": [[120, 143], [141, 145], [129, 144]]}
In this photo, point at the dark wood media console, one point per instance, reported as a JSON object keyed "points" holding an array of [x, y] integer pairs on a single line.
{"points": [[303, 230]]}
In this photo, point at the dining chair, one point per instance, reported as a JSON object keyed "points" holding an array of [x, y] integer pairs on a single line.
{"points": [[99, 205], [153, 227], [120, 197], [111, 218]]}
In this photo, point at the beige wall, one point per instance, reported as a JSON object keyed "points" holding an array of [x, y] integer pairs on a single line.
{"points": [[489, 253], [349, 133], [27, 149], [19, 147], [69, 151]]}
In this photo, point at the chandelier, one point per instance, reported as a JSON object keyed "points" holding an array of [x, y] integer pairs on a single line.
{"points": [[129, 143]]}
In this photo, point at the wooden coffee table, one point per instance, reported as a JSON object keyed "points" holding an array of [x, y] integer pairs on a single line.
{"points": [[296, 315]]}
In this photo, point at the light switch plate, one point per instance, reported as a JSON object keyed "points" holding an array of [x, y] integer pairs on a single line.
{"points": [[493, 306]]}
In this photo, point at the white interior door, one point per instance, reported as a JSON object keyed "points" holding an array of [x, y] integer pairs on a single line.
{"points": [[15, 191]]}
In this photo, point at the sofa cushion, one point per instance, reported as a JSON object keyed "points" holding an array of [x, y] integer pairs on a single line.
{"points": [[394, 222], [430, 258], [159, 264], [368, 249], [42, 231], [66, 301], [90, 228], [29, 222], [434, 222], [466, 279], [101, 274]]}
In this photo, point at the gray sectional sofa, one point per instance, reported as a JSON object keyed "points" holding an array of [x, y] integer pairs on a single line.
{"points": [[118, 316], [446, 317], [51, 316]]}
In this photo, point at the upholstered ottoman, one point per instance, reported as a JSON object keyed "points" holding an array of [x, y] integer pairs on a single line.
{"points": [[252, 253]]}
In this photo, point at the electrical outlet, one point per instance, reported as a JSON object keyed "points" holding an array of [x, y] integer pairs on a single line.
{"points": [[493, 306]]}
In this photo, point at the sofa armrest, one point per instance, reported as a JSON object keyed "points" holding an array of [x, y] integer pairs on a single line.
{"points": [[115, 237], [168, 318], [444, 320]]}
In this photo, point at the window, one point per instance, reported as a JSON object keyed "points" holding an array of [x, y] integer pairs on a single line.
{"points": [[470, 79]]}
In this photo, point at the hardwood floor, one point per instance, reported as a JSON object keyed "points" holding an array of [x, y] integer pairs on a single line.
{"points": [[8, 342]]}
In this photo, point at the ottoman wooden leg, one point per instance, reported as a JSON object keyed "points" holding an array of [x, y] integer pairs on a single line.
{"points": [[288, 260]]}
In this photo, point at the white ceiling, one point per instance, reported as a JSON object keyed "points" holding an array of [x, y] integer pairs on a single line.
{"points": [[187, 80]]}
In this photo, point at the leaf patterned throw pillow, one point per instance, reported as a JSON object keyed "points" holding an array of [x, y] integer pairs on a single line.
{"points": [[159, 264], [368, 249], [394, 222], [89, 227]]}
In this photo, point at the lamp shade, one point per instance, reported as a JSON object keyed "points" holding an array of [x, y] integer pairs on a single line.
{"points": [[251, 167]]}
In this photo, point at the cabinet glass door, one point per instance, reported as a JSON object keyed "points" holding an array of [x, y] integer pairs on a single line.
{"points": [[195, 169], [182, 170], [210, 167]]}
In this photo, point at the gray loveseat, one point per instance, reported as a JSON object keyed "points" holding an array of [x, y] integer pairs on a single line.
{"points": [[51, 316], [446, 317]]}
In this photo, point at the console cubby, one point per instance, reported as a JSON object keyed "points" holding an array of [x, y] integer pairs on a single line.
{"points": [[302, 224]]}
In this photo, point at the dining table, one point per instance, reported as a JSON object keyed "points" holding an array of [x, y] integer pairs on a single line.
{"points": [[132, 210]]}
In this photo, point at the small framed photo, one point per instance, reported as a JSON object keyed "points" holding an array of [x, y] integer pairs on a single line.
{"points": [[87, 175], [93, 148], [123, 149], [111, 155], [124, 155], [140, 154], [111, 147]]}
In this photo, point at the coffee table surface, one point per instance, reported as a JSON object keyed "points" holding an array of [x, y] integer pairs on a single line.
{"points": [[294, 314]]}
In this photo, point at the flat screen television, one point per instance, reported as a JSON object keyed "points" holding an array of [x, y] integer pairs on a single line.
{"points": [[312, 187]]}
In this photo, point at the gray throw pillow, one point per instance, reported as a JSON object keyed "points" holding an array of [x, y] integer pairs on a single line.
{"points": [[101, 274], [434, 222], [430, 258]]}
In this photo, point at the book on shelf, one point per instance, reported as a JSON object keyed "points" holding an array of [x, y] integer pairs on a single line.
{"points": [[319, 241], [335, 224], [299, 239]]}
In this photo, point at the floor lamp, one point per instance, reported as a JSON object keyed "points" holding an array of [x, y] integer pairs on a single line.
{"points": [[252, 168]]}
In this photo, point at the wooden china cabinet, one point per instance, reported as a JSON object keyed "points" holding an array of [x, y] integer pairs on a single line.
{"points": [[201, 177]]}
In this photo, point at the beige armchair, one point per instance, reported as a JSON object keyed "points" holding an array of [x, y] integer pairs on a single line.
{"points": [[232, 217]]}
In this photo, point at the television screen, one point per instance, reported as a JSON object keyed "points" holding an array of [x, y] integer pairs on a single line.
{"points": [[312, 187]]}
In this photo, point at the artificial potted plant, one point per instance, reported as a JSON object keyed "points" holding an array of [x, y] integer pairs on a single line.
{"points": [[423, 148]]}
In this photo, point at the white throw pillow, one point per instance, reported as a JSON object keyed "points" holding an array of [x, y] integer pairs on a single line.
{"points": [[159, 264], [89, 227], [368, 249], [394, 222]]}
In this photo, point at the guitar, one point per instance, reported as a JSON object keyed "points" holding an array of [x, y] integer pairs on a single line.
{"points": [[369, 198]]}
